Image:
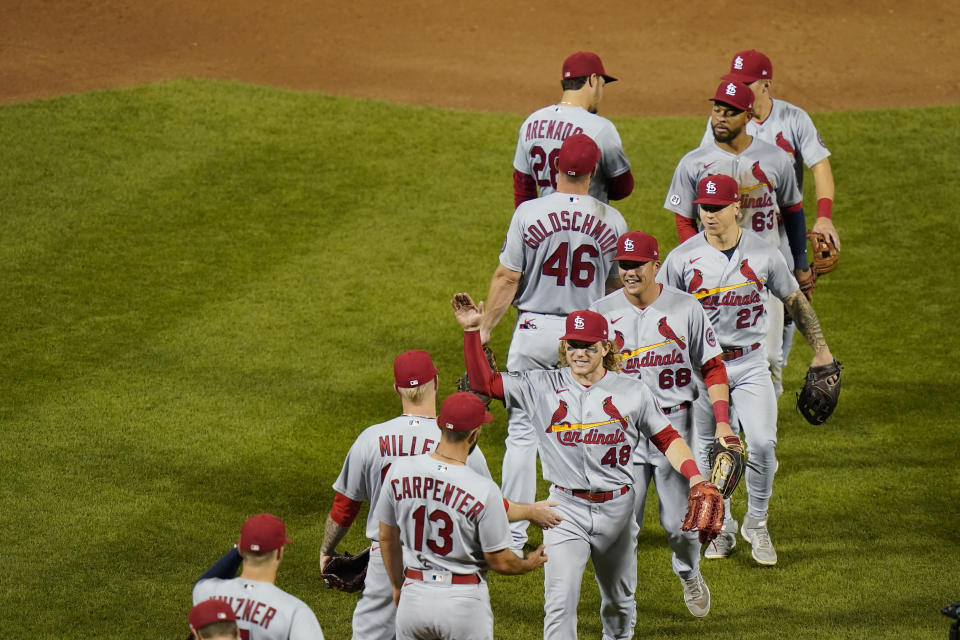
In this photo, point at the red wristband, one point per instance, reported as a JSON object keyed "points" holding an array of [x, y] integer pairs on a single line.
{"points": [[689, 469], [824, 208], [721, 411]]}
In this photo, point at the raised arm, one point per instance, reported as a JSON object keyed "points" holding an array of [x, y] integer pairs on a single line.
{"points": [[470, 316]]}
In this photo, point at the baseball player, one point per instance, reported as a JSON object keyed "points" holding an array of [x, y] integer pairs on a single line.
{"points": [[452, 526], [263, 611], [788, 127], [589, 419], [413, 433], [213, 620], [542, 133], [666, 340], [733, 271], [556, 258], [768, 189]]}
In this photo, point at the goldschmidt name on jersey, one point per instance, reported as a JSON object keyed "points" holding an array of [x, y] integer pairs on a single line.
{"points": [[587, 224]]}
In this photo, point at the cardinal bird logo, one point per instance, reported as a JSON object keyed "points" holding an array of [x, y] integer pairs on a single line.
{"points": [[749, 274], [760, 175], [613, 412], [668, 333], [618, 340], [695, 281], [784, 144], [558, 415]]}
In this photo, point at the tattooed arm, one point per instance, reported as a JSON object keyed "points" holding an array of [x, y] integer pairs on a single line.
{"points": [[808, 325]]}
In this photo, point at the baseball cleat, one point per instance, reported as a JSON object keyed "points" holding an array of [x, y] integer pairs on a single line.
{"points": [[722, 546], [755, 532], [696, 595]]}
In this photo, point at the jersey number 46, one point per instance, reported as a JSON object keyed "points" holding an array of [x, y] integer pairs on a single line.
{"points": [[581, 271]]}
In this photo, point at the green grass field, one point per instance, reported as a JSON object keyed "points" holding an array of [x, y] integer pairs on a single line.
{"points": [[205, 284]]}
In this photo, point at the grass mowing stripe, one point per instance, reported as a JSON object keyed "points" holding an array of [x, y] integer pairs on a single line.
{"points": [[206, 283]]}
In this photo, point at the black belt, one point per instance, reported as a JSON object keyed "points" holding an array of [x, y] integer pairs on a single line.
{"points": [[602, 496], [733, 354], [455, 578]]}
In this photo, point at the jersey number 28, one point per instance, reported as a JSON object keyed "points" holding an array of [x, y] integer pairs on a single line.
{"points": [[582, 271], [543, 161]]}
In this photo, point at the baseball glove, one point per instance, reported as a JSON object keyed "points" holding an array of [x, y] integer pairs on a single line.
{"points": [[345, 572], [820, 393], [705, 511], [463, 384], [727, 464], [825, 253]]}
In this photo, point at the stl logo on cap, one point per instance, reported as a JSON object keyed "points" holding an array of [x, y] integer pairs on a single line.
{"points": [[731, 89], [738, 63], [578, 322], [711, 187], [628, 245]]}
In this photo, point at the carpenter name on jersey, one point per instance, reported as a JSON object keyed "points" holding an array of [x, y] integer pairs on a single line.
{"points": [[440, 492]]}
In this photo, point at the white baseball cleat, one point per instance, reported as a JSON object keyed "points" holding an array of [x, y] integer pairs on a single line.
{"points": [[755, 532], [722, 546], [696, 595]]}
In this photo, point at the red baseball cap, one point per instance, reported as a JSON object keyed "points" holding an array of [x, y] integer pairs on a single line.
{"points": [[749, 66], [735, 94], [717, 189], [584, 63], [579, 155], [637, 246], [264, 532], [413, 368], [210, 611], [463, 411], [586, 326]]}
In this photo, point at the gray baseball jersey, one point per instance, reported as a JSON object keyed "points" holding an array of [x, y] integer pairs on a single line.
{"points": [[664, 344], [448, 516], [766, 177], [562, 245], [379, 446], [790, 128], [264, 611], [733, 290], [586, 435], [542, 134]]}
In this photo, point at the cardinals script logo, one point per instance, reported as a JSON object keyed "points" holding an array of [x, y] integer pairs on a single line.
{"points": [[571, 434]]}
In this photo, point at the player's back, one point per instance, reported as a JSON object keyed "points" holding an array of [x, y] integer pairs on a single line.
{"points": [[264, 611], [562, 244], [543, 133], [448, 515], [378, 447]]}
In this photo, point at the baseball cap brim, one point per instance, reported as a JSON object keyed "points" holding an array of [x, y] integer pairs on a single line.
{"points": [[609, 79], [581, 336], [714, 200]]}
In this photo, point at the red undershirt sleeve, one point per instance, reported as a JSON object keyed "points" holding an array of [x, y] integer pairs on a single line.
{"points": [[482, 377], [686, 227], [344, 510], [621, 186], [524, 188], [664, 437], [714, 372]]}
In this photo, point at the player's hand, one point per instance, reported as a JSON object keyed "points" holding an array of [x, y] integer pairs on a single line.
{"points": [[825, 226], [543, 516], [468, 314], [534, 559], [724, 430], [822, 358], [324, 559]]}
